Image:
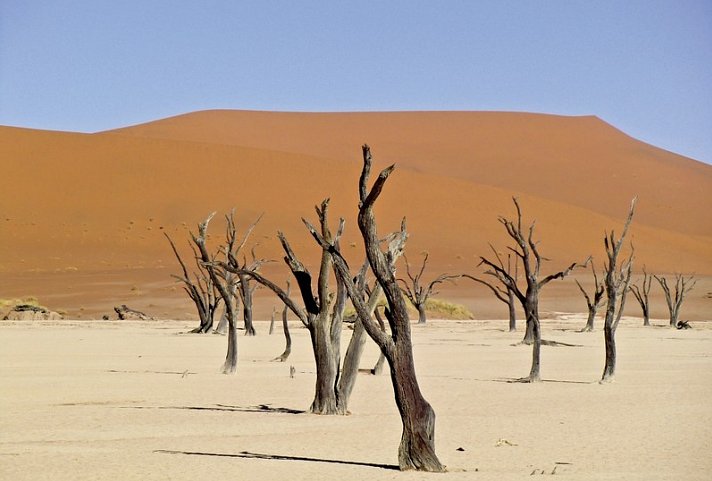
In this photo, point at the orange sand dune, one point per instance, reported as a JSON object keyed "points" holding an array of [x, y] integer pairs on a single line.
{"points": [[101, 202], [575, 160]]}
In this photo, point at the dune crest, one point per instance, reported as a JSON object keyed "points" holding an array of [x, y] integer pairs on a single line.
{"points": [[101, 202]]}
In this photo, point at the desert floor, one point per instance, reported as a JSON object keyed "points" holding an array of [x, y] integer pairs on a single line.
{"points": [[143, 400]]}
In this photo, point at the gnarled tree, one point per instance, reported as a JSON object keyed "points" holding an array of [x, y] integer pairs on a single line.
{"points": [[200, 290], [285, 328], [321, 315], [674, 298], [526, 250], [417, 446], [642, 293], [417, 293], [594, 300], [616, 282], [502, 291], [333, 384], [218, 279]]}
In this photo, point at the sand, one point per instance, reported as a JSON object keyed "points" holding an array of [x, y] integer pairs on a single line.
{"points": [[141, 400], [85, 211], [82, 224]]}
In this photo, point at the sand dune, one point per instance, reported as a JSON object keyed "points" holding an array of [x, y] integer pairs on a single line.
{"points": [[101, 202]]}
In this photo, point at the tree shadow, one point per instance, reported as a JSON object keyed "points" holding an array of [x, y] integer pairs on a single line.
{"points": [[546, 342], [525, 380], [279, 457], [260, 408]]}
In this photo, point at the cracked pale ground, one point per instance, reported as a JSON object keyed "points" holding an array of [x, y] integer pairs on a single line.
{"points": [[93, 400]]}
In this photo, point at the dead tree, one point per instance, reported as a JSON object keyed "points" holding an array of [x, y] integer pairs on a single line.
{"points": [[218, 279], [271, 320], [200, 290], [417, 293], [321, 315], [674, 299], [593, 301], [616, 283], [502, 291], [642, 293], [378, 367], [352, 358], [417, 446], [246, 289], [231, 281], [285, 327], [527, 252], [243, 283]]}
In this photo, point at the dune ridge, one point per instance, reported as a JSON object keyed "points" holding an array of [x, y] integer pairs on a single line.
{"points": [[101, 202]]}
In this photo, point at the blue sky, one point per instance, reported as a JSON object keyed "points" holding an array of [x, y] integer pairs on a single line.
{"points": [[90, 65]]}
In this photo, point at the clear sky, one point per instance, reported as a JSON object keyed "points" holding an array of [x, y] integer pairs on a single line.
{"points": [[644, 66]]}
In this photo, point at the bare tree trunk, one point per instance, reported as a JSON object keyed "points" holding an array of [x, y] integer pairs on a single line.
{"points": [[529, 333], [616, 285], [246, 295], [422, 318], [532, 311], [352, 359], [641, 292], [271, 321], [417, 446], [327, 370], [378, 368], [230, 365], [674, 299], [512, 311], [287, 337], [591, 318], [222, 326], [609, 337], [609, 369], [673, 317]]}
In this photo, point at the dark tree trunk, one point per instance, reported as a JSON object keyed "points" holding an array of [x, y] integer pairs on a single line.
{"points": [[534, 375], [271, 321], [609, 370], [646, 317], [529, 334], [616, 284], [417, 446], [512, 311], [327, 370], [352, 359], [287, 337], [206, 322], [378, 368], [230, 365], [222, 326], [532, 312], [591, 319], [422, 318], [247, 313], [246, 295]]}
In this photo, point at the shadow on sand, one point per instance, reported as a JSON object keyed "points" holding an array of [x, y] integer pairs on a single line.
{"points": [[279, 457], [260, 408]]}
